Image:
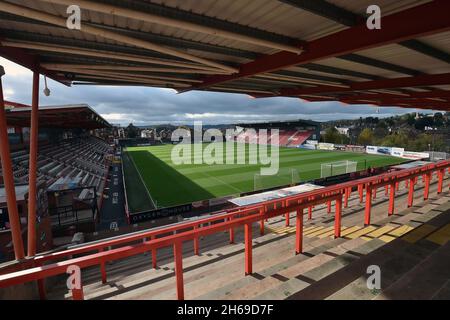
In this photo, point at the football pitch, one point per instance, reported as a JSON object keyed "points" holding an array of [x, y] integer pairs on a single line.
{"points": [[153, 180]]}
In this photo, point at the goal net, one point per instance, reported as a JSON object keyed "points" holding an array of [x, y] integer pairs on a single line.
{"points": [[284, 177], [337, 168]]}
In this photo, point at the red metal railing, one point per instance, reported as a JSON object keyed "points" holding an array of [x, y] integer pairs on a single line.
{"points": [[175, 235]]}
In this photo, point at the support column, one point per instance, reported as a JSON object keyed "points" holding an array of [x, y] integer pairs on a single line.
{"points": [[196, 244], [261, 222], [32, 172], [248, 249], [329, 207], [361, 195], [231, 232], [392, 199], [337, 218], [299, 232], [178, 255], [411, 193], [347, 195], [368, 205], [288, 219], [8, 179], [440, 181], [309, 212], [154, 259], [426, 191]]}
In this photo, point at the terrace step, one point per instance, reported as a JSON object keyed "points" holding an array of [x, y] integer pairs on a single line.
{"points": [[133, 278]]}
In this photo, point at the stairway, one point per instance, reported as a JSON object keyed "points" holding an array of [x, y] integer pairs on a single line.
{"points": [[404, 245]]}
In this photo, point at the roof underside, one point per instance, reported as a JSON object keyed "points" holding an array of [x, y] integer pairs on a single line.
{"points": [[314, 50], [67, 117]]}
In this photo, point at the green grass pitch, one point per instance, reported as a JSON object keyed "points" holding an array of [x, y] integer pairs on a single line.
{"points": [[151, 177]]}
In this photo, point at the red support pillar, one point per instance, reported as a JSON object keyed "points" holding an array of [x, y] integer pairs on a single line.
{"points": [[32, 172], [196, 243], [347, 195], [178, 255], [360, 190], [374, 193], [103, 269], [231, 232], [397, 186], [337, 218], [299, 232], [261, 222], [288, 219], [248, 249], [411, 193], [329, 206], [8, 179], [309, 212], [386, 190], [426, 191], [154, 259], [440, 180], [368, 205], [392, 199]]}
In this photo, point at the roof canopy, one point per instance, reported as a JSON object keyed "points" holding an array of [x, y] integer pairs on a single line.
{"points": [[68, 116], [315, 50]]}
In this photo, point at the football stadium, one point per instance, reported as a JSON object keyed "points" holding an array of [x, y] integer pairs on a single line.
{"points": [[269, 205]]}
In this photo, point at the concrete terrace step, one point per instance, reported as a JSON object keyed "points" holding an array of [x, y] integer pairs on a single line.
{"points": [[429, 279], [278, 273]]}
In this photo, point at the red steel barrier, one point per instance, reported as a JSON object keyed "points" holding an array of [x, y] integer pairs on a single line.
{"points": [[175, 235]]}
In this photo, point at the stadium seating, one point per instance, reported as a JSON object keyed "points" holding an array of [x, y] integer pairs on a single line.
{"points": [[299, 138], [82, 157]]}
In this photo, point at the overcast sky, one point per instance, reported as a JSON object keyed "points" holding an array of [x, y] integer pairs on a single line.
{"points": [[144, 106]]}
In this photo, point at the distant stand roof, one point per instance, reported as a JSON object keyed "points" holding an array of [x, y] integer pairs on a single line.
{"points": [[65, 116]]}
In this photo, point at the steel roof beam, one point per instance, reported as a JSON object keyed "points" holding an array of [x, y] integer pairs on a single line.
{"points": [[154, 13], [156, 38], [351, 19], [422, 20], [417, 81]]}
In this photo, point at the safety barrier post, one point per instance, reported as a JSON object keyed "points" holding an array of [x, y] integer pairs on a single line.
{"points": [[392, 199], [103, 269], [426, 190], [337, 218], [288, 219], [329, 206], [299, 232], [248, 248], [440, 180], [196, 243], [347, 195], [231, 232], [361, 195], [154, 260], [411, 193], [77, 292], [178, 255], [261, 222], [368, 205]]}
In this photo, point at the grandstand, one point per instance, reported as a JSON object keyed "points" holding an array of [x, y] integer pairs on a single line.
{"points": [[314, 240], [291, 133]]}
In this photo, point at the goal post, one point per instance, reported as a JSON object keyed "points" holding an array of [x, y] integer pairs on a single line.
{"points": [[337, 168], [284, 177]]}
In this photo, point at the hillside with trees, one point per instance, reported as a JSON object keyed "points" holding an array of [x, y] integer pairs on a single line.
{"points": [[414, 132]]}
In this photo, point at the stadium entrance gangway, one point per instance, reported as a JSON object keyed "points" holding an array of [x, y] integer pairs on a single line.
{"points": [[34, 268]]}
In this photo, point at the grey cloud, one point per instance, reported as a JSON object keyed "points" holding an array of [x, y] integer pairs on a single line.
{"points": [[151, 105]]}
